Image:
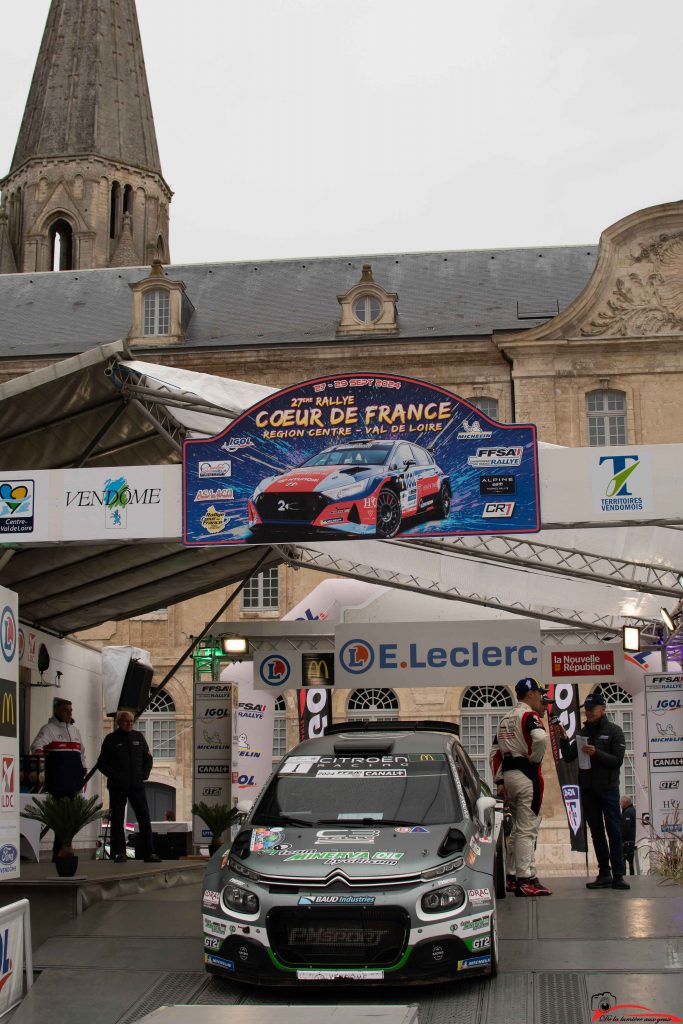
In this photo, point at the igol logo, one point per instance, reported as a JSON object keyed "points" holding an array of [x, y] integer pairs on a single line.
{"points": [[357, 656], [274, 670], [8, 633]]}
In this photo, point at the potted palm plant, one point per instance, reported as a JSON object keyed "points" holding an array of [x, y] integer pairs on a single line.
{"points": [[65, 817], [216, 818]]}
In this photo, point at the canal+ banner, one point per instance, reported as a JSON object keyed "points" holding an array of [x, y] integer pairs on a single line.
{"points": [[436, 653], [360, 456]]}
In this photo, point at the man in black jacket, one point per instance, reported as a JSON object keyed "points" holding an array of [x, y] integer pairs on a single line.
{"points": [[126, 761], [600, 749]]}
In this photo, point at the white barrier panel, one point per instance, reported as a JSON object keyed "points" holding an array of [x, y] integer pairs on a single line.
{"points": [[664, 710], [15, 952]]}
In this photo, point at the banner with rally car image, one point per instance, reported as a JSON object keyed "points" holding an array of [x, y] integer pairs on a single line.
{"points": [[360, 457]]}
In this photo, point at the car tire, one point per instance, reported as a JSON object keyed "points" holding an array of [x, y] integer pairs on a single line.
{"points": [[499, 867], [442, 505], [388, 516]]}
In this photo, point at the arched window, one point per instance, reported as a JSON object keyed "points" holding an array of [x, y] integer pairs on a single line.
{"points": [[620, 710], [280, 729], [158, 725], [489, 406], [606, 411], [61, 246], [114, 209], [481, 709], [128, 199], [367, 308], [155, 312], [373, 705]]}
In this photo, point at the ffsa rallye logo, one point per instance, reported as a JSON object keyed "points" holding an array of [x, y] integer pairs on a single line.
{"points": [[358, 656]]}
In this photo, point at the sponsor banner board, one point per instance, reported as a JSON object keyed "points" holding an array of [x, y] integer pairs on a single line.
{"points": [[25, 505], [664, 717], [360, 456], [436, 653], [565, 697], [600, 663], [252, 752], [214, 725], [11, 957], [315, 712], [9, 743]]}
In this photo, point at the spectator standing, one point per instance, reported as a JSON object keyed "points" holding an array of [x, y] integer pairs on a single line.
{"points": [[628, 831], [516, 756], [600, 748], [126, 761], [60, 742]]}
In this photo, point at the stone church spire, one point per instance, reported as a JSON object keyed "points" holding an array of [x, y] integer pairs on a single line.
{"points": [[85, 187]]}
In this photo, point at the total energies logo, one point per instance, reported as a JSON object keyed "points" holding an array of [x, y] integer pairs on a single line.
{"points": [[8, 634], [357, 656], [275, 670]]}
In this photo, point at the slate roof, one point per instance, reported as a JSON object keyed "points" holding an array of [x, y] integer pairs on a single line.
{"points": [[462, 293], [89, 92]]}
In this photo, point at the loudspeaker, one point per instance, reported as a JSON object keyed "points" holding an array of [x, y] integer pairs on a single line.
{"points": [[135, 689]]}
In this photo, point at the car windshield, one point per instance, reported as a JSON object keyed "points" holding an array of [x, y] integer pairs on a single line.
{"points": [[360, 456], [411, 788]]}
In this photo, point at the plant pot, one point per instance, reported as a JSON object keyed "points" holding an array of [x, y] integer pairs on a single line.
{"points": [[66, 866], [214, 845]]}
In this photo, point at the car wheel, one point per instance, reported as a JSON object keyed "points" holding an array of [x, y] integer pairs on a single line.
{"points": [[388, 513], [494, 947], [442, 505], [499, 867]]}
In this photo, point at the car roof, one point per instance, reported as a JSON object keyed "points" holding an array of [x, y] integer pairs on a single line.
{"points": [[404, 741]]}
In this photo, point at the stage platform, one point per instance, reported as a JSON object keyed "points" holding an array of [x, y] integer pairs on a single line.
{"points": [[126, 957]]}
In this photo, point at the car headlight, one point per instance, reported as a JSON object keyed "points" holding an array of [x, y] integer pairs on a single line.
{"points": [[442, 869], [449, 897], [241, 900], [239, 868], [336, 493], [266, 482]]}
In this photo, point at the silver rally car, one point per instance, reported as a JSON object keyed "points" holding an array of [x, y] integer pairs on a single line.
{"points": [[373, 855]]}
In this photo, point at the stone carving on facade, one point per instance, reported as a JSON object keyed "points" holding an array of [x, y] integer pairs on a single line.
{"points": [[647, 301]]}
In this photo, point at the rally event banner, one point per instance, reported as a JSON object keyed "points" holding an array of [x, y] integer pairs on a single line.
{"points": [[566, 706], [360, 457]]}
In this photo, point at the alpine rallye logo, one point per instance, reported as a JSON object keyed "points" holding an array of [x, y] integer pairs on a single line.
{"points": [[486, 457]]}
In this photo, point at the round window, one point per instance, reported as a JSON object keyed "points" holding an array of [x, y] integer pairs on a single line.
{"points": [[367, 309]]}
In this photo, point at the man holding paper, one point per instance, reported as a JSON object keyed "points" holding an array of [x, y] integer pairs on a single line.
{"points": [[600, 749]]}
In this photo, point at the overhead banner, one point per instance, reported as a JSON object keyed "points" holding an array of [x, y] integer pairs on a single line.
{"points": [[436, 653], [9, 736], [360, 456], [565, 697], [599, 663], [664, 716]]}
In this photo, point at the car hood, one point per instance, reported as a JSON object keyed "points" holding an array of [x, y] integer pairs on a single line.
{"points": [[360, 852], [318, 478]]}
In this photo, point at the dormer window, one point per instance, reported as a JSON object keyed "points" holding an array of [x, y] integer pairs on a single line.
{"points": [[367, 308], [161, 309], [156, 306]]}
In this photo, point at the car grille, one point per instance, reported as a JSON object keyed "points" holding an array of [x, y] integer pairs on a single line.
{"points": [[339, 936], [295, 506]]}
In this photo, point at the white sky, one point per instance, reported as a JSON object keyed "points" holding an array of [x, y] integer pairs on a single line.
{"points": [[369, 126]]}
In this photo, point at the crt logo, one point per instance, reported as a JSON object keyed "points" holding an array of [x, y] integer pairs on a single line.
{"points": [[274, 670], [357, 656]]}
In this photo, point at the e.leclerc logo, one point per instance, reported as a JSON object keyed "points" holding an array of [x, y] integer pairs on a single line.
{"points": [[8, 633], [357, 656], [275, 670]]}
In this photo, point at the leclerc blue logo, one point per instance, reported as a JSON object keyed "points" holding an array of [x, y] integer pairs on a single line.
{"points": [[274, 670], [357, 656]]}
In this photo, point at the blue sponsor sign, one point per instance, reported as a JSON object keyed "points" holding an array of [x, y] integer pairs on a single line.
{"points": [[360, 456], [219, 961]]}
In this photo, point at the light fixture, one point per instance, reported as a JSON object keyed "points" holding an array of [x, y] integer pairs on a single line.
{"points": [[631, 638], [667, 620], [235, 645]]}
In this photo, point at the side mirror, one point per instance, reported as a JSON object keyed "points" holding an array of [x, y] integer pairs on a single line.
{"points": [[486, 809], [409, 462]]}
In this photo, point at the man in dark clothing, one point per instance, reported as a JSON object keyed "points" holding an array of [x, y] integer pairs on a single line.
{"points": [[126, 762], [628, 831], [600, 749]]}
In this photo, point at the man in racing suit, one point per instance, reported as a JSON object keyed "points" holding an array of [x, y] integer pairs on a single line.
{"points": [[516, 756], [60, 741]]}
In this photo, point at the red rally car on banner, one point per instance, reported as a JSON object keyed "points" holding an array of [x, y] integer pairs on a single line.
{"points": [[364, 488]]}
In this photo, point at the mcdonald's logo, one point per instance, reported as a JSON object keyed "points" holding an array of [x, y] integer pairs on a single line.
{"points": [[8, 716], [426, 757], [318, 670]]}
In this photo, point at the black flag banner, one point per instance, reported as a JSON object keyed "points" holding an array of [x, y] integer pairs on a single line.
{"points": [[565, 699], [315, 698]]}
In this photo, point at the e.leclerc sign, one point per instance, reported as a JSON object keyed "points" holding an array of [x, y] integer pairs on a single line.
{"points": [[360, 456], [436, 653]]}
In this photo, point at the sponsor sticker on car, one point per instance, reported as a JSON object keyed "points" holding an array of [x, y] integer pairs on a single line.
{"points": [[479, 895], [211, 943], [334, 975], [336, 899], [214, 926], [211, 898], [219, 961], [474, 961]]}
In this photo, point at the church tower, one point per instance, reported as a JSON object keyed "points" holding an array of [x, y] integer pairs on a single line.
{"points": [[85, 188]]}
